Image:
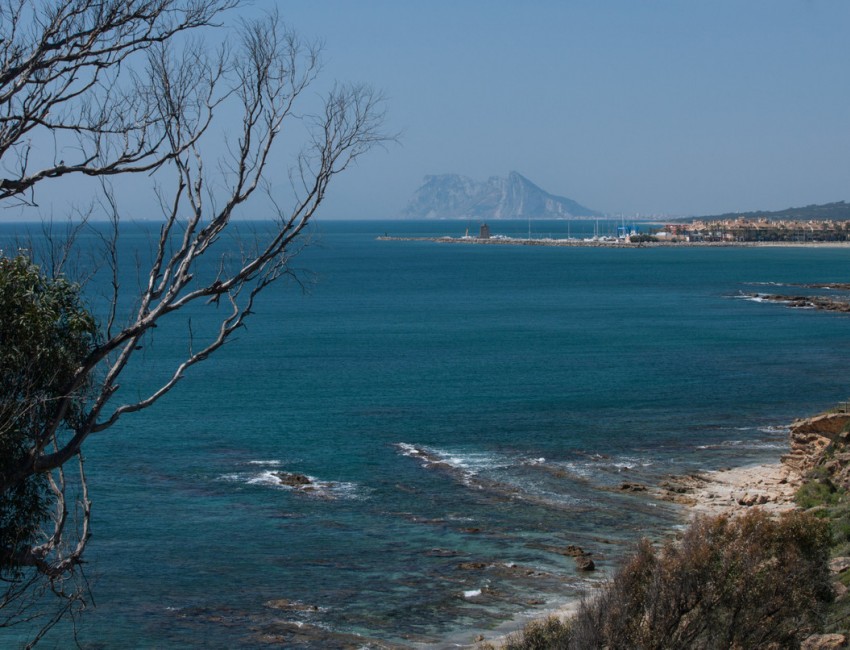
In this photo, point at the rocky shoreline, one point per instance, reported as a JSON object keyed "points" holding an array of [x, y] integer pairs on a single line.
{"points": [[816, 442], [822, 303], [768, 486], [820, 443]]}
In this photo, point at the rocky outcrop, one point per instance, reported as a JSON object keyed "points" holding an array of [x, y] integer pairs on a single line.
{"points": [[473, 566], [804, 302], [771, 487], [582, 558], [680, 489], [292, 479], [749, 499], [822, 442]]}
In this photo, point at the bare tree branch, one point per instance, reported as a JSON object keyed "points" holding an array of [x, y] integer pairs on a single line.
{"points": [[63, 74], [111, 78]]}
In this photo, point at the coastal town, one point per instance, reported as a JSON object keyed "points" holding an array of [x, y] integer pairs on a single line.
{"points": [[741, 231], [756, 230]]}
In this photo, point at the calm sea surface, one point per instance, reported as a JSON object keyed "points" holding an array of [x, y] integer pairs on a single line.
{"points": [[463, 410]]}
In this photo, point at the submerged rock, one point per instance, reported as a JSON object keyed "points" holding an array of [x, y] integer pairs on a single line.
{"points": [[584, 563], [293, 479], [441, 552], [472, 566], [633, 487], [291, 606], [573, 551], [824, 303]]}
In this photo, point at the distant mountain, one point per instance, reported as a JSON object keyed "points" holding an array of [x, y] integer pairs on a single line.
{"points": [[450, 196], [838, 211]]}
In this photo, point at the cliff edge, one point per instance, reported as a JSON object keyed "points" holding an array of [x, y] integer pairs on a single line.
{"points": [[821, 443]]}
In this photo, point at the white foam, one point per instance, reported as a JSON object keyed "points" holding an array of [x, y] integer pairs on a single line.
{"points": [[747, 444], [757, 298], [535, 461], [265, 478], [409, 450], [348, 490], [630, 462], [469, 462], [474, 462], [472, 593], [579, 469], [588, 468], [772, 429], [266, 463], [316, 487]]}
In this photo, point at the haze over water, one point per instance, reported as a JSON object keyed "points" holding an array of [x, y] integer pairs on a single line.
{"points": [[453, 404]]}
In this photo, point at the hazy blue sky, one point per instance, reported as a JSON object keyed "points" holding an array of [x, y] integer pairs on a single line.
{"points": [[637, 106], [681, 107]]}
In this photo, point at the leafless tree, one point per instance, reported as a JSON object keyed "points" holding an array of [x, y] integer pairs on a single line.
{"points": [[131, 84]]}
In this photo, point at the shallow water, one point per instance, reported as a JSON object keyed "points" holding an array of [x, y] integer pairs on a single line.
{"points": [[463, 411]]}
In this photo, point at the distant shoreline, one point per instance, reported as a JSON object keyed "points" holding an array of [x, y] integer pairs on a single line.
{"points": [[584, 243]]}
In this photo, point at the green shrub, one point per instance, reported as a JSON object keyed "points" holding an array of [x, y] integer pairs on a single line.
{"points": [[815, 493], [547, 634], [45, 333], [818, 490], [642, 238]]}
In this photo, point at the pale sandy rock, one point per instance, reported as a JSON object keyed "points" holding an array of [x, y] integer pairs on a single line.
{"points": [[770, 487], [824, 642]]}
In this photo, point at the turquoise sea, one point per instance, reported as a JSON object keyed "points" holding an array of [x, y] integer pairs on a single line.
{"points": [[463, 410]]}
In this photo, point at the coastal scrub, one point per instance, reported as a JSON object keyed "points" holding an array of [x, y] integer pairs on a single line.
{"points": [[750, 581]]}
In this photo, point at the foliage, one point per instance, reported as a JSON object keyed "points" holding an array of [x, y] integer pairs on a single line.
{"points": [[831, 503], [820, 495], [817, 490], [642, 238], [745, 582], [45, 333], [548, 634]]}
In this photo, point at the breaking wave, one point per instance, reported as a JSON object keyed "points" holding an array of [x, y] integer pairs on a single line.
{"points": [[295, 482], [746, 444]]}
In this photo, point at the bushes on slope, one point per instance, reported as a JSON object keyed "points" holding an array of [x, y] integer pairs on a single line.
{"points": [[747, 582]]}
